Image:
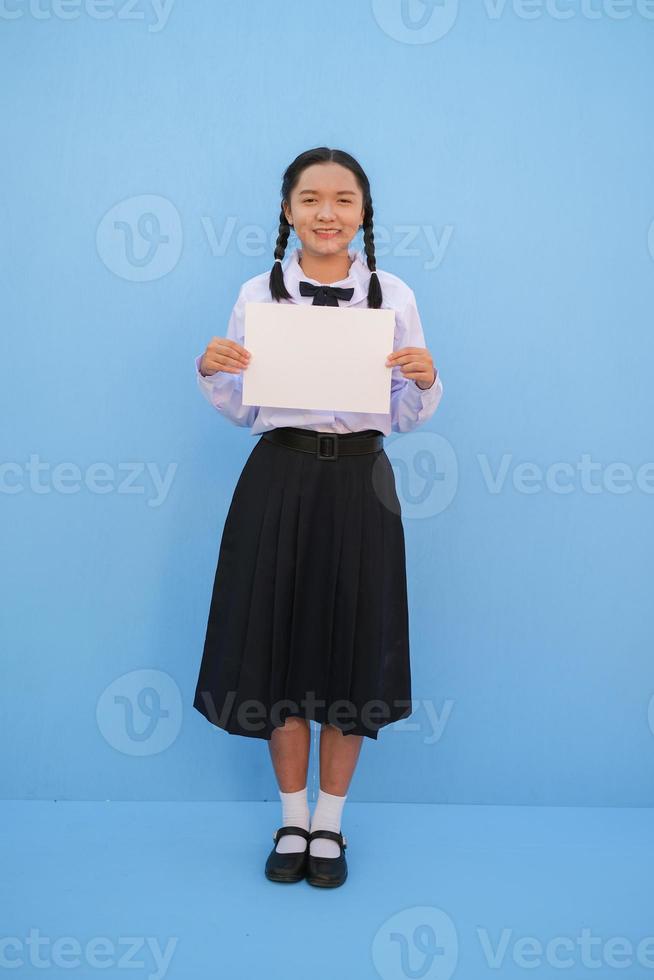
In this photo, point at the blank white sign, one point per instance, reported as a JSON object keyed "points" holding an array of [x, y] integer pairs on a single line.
{"points": [[318, 357]]}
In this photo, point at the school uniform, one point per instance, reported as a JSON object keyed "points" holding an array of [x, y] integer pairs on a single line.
{"points": [[309, 614]]}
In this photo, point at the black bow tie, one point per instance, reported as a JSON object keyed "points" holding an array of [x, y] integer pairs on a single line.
{"points": [[325, 295]]}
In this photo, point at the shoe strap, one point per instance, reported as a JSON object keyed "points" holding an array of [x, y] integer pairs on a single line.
{"points": [[329, 835], [300, 831]]}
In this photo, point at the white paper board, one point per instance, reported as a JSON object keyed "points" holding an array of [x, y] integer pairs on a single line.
{"points": [[318, 357]]}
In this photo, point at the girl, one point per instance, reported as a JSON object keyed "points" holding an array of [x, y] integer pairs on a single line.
{"points": [[308, 616]]}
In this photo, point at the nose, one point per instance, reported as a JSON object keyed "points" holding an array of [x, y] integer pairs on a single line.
{"points": [[325, 212]]}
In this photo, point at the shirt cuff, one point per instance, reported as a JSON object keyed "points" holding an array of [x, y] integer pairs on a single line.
{"points": [[212, 381], [431, 391], [198, 362], [424, 400]]}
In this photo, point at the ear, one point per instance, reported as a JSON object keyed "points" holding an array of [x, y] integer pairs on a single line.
{"points": [[287, 212]]}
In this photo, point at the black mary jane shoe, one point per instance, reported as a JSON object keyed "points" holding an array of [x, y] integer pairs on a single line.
{"points": [[327, 872], [291, 866]]}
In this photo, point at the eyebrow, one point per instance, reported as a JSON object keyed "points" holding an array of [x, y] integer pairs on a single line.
{"points": [[308, 191]]}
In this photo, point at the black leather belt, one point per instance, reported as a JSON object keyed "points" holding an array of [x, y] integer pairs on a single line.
{"points": [[327, 445]]}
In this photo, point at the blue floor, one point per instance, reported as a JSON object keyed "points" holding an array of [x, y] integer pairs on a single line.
{"points": [[177, 890]]}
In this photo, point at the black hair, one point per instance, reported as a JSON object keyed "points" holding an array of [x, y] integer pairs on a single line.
{"points": [[323, 154]]}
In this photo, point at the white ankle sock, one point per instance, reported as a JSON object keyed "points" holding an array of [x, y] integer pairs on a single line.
{"points": [[295, 813], [327, 816]]}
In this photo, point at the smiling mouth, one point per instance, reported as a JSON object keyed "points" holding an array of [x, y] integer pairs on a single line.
{"points": [[327, 231]]}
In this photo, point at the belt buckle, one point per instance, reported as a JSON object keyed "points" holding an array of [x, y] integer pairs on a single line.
{"points": [[334, 453]]}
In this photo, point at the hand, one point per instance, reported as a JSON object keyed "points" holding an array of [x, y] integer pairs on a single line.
{"points": [[223, 354], [416, 363]]}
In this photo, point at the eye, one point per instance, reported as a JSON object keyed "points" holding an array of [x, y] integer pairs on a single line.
{"points": [[309, 200]]}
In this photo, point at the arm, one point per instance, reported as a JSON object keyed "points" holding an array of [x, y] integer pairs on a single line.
{"points": [[223, 389], [410, 404]]}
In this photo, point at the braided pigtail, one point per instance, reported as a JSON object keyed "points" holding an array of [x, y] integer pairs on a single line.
{"points": [[324, 154], [374, 287], [276, 282]]}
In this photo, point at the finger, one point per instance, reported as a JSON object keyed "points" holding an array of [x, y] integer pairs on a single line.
{"points": [[230, 354], [415, 366], [221, 363], [209, 370], [232, 367], [409, 359], [409, 355], [406, 350], [225, 344]]}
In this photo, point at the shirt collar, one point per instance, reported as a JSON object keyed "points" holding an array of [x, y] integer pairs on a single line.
{"points": [[357, 279]]}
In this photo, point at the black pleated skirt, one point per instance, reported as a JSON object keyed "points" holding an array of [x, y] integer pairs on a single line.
{"points": [[308, 615]]}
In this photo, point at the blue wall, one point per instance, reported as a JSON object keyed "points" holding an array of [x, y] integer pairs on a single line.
{"points": [[510, 153]]}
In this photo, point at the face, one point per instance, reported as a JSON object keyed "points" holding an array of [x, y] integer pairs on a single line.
{"points": [[326, 208]]}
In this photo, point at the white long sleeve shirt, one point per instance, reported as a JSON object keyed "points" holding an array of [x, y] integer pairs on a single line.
{"points": [[410, 405]]}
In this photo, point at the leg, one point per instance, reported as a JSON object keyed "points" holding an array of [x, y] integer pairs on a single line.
{"points": [[289, 750], [339, 754], [338, 758]]}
